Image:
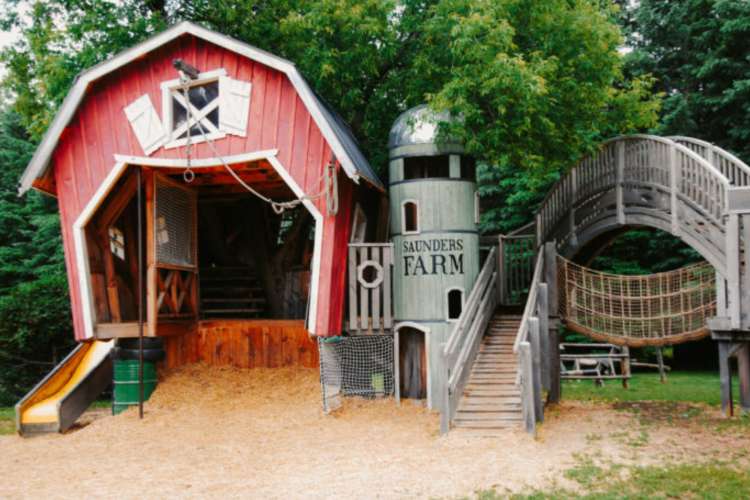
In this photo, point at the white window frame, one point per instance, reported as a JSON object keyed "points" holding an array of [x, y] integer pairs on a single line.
{"points": [[447, 303], [359, 225], [403, 216], [172, 88]]}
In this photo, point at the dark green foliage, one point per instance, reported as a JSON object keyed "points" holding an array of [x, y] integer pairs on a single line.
{"points": [[35, 326], [645, 251], [697, 51]]}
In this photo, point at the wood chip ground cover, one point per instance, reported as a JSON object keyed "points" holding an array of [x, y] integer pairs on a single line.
{"points": [[227, 433]]}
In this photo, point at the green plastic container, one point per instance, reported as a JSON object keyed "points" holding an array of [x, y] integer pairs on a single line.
{"points": [[125, 393]]}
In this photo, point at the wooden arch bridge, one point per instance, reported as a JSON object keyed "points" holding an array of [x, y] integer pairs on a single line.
{"points": [[687, 187]]}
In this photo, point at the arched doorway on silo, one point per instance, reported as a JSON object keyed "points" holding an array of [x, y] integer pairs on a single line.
{"points": [[413, 379]]}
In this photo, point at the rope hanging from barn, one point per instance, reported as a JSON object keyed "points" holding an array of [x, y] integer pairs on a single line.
{"points": [[648, 310], [328, 179]]}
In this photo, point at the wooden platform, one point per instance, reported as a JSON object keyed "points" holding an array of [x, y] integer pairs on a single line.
{"points": [[244, 344], [491, 399]]}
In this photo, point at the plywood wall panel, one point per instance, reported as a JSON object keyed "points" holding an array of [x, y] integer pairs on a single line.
{"points": [[244, 344]]}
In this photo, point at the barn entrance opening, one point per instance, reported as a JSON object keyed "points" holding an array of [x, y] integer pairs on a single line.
{"points": [[253, 262], [412, 360]]}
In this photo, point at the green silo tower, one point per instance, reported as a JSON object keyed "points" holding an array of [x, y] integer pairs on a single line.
{"points": [[434, 210]]}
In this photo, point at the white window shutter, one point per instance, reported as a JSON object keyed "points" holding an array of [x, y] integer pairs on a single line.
{"points": [[234, 105], [146, 124]]}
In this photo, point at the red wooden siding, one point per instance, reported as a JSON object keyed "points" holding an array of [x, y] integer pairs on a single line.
{"points": [[278, 120]]}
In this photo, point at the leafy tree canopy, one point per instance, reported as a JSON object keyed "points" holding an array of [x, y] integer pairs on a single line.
{"points": [[697, 50], [538, 83]]}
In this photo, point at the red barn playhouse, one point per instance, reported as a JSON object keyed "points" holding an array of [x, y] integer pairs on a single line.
{"points": [[230, 278]]}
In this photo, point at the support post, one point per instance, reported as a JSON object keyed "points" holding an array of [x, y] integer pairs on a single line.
{"points": [[626, 367], [544, 335], [732, 253], [527, 391], [139, 286], [620, 181], [550, 277], [674, 183], [660, 361], [536, 376], [725, 376], [501, 298], [743, 368], [555, 387]]}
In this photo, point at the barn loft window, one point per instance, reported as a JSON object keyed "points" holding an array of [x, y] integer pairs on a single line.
{"points": [[410, 217], [455, 301], [204, 108], [425, 167], [216, 105]]}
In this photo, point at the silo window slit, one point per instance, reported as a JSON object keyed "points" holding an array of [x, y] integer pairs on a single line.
{"points": [[426, 167], [410, 217], [455, 303]]}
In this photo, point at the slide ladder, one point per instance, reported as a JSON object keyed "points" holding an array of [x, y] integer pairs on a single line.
{"points": [[56, 402]]}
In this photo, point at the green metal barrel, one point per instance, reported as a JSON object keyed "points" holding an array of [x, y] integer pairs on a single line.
{"points": [[125, 393]]}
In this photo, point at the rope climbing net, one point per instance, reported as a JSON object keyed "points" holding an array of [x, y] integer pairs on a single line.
{"points": [[654, 309]]}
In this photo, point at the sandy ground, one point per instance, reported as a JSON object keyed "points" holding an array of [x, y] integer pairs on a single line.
{"points": [[227, 433]]}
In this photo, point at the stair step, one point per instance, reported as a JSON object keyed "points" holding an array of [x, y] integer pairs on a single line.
{"points": [[232, 300], [498, 401], [228, 311], [490, 424], [487, 417]]}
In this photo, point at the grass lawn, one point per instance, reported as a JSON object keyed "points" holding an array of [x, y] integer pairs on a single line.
{"points": [[691, 387], [7, 420], [721, 481]]}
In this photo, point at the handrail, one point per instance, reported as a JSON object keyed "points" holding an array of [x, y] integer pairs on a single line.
{"points": [[734, 169], [528, 311], [528, 348], [463, 343], [608, 172]]}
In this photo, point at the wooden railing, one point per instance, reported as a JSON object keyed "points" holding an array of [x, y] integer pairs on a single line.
{"points": [[516, 255], [462, 345], [637, 177], [370, 287], [734, 169], [529, 347]]}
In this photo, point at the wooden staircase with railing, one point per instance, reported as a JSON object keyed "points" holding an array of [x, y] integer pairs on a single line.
{"points": [[491, 399], [231, 292]]}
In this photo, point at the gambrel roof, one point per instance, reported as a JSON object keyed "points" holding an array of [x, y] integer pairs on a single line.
{"points": [[334, 130]]}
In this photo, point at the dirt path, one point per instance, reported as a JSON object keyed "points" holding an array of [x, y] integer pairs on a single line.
{"points": [[222, 433]]}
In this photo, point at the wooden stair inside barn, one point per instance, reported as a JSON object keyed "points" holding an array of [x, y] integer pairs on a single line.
{"points": [[231, 292], [491, 399]]}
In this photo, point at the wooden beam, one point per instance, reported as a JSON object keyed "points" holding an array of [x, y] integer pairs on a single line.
{"points": [[743, 368], [725, 376]]}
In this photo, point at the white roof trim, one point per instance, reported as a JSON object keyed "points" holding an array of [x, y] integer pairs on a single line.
{"points": [[38, 164]]}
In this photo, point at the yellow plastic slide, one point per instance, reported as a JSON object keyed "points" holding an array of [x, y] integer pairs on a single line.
{"points": [[64, 394]]}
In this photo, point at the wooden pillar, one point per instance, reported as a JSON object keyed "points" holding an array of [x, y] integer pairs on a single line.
{"points": [[501, 298], [743, 369], [544, 344], [536, 375], [555, 386], [527, 396], [725, 376], [626, 367], [660, 361]]}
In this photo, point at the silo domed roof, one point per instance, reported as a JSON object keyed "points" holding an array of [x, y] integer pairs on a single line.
{"points": [[417, 129]]}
